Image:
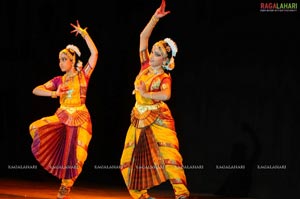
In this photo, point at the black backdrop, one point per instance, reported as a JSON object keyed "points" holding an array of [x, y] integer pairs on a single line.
{"points": [[234, 94]]}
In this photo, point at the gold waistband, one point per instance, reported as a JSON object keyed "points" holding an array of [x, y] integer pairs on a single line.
{"points": [[72, 109], [142, 108]]}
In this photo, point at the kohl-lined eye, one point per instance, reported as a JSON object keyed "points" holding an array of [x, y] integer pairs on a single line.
{"points": [[157, 54], [63, 59]]}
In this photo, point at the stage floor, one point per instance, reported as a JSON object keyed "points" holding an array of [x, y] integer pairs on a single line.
{"points": [[16, 188]]}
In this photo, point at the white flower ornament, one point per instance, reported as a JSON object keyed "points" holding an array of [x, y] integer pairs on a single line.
{"points": [[74, 48], [172, 45]]}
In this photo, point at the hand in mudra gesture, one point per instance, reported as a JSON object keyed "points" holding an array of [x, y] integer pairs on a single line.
{"points": [[78, 29], [160, 12]]}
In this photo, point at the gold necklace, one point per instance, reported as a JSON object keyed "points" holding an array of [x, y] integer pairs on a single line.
{"points": [[71, 76], [156, 71]]}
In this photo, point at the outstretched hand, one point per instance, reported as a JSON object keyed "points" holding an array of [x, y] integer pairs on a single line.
{"points": [[77, 28], [160, 12]]}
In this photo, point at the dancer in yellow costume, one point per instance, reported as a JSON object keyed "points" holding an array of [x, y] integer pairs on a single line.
{"points": [[60, 142], [151, 150]]}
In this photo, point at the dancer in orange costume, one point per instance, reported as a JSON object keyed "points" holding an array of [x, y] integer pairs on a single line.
{"points": [[151, 150], [60, 142]]}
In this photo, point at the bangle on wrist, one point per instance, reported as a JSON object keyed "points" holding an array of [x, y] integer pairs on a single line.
{"points": [[154, 20], [83, 33], [53, 94], [151, 95]]}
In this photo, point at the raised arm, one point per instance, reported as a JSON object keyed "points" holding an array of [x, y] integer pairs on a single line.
{"points": [[90, 43], [146, 33]]}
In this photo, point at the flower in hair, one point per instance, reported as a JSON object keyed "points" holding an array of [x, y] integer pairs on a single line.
{"points": [[74, 48], [169, 65], [172, 45]]}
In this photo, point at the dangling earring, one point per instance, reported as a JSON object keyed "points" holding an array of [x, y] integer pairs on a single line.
{"points": [[165, 64]]}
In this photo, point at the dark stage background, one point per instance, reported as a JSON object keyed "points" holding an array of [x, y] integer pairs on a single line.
{"points": [[234, 94]]}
